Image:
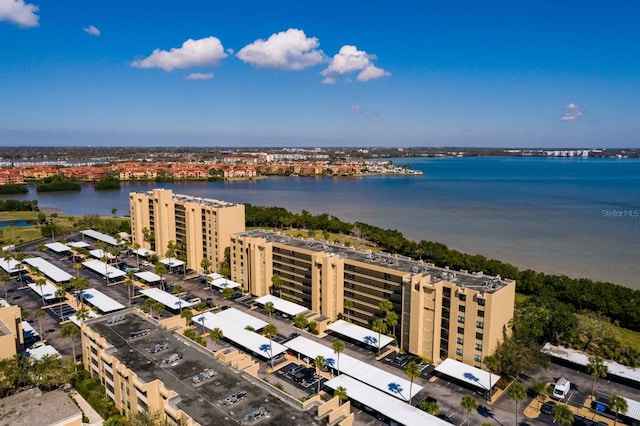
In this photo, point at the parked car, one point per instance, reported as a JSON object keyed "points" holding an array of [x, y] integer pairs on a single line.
{"points": [[547, 407]]}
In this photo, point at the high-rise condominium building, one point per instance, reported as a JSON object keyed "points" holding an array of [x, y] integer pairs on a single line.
{"points": [[202, 226], [441, 313]]}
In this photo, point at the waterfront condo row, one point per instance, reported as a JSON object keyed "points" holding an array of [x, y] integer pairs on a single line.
{"points": [[441, 313]]}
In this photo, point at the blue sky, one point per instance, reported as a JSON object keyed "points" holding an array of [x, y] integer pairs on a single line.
{"points": [[334, 73]]}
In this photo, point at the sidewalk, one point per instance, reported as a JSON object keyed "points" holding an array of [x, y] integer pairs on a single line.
{"points": [[87, 410]]}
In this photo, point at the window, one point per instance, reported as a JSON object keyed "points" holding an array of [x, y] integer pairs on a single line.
{"points": [[477, 358], [461, 308], [481, 302], [479, 324], [460, 330], [460, 341], [479, 336], [461, 319], [480, 313], [478, 347], [462, 297], [459, 352]]}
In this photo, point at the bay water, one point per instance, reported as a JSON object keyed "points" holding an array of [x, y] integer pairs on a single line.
{"points": [[578, 217]]}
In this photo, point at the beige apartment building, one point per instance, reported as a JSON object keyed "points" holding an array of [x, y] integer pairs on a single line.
{"points": [[11, 339], [442, 313], [204, 225]]}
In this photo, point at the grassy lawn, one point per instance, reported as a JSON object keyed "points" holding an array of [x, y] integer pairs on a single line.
{"points": [[25, 234], [629, 337]]}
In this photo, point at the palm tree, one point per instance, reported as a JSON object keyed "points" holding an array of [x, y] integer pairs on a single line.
{"points": [[70, 330], [517, 393], [80, 284], [269, 308], [597, 369], [391, 318], [158, 307], [412, 371], [129, 283], [77, 267], [161, 270], [276, 283], [270, 331], [216, 334], [469, 404], [385, 306], [205, 264], [492, 363], [319, 362], [348, 305], [618, 405], [562, 415], [114, 211], [6, 279], [187, 314], [60, 293], [430, 407], [379, 326], [338, 346], [341, 393], [171, 251], [227, 292], [41, 282], [136, 247], [39, 313]]}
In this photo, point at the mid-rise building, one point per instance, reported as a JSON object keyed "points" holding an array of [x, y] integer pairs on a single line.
{"points": [[441, 313], [202, 226], [11, 338]]}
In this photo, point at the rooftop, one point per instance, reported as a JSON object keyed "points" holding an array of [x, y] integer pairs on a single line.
{"points": [[32, 407], [209, 202], [199, 402], [475, 280]]}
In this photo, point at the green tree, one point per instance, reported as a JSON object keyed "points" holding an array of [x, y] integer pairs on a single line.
{"points": [[269, 308], [385, 306], [469, 404], [41, 282], [430, 407], [597, 369], [270, 331], [70, 330], [491, 362], [216, 334], [114, 211], [161, 270], [379, 326], [338, 347], [60, 294], [300, 321], [540, 390], [391, 318], [227, 293], [6, 279], [348, 305], [187, 314], [618, 405], [276, 283], [39, 314], [341, 393], [129, 284], [517, 393], [158, 307], [205, 264], [319, 362], [562, 415], [413, 372]]}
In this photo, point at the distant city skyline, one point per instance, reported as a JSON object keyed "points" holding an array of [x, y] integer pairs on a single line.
{"points": [[392, 74]]}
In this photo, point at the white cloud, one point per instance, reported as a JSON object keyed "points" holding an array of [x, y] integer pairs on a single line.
{"points": [[91, 30], [193, 53], [290, 49], [18, 12], [571, 112], [350, 60], [199, 76]]}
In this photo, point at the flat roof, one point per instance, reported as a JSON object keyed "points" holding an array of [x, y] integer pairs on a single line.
{"points": [[282, 305], [100, 300], [100, 236], [167, 299], [74, 318], [50, 270], [10, 265], [39, 351], [384, 404], [241, 318], [28, 332], [144, 252], [99, 254], [581, 358], [380, 379], [148, 276], [250, 340], [633, 409], [78, 244], [359, 333], [58, 247], [223, 283], [172, 262], [467, 373], [104, 269], [48, 291], [32, 407]]}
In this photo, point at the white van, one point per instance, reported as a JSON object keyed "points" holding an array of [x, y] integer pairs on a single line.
{"points": [[561, 389]]}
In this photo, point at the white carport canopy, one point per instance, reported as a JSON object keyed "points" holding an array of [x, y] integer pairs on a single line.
{"points": [[172, 263], [40, 351], [243, 319], [74, 318], [148, 276], [99, 254], [384, 404], [47, 291], [167, 299], [360, 334], [100, 300], [28, 332], [144, 252], [78, 244], [249, 340], [100, 236], [10, 266], [104, 269], [281, 305], [386, 382], [58, 247], [53, 272], [222, 283], [467, 374]]}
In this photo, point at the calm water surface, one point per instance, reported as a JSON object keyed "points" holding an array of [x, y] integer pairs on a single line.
{"points": [[579, 217]]}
